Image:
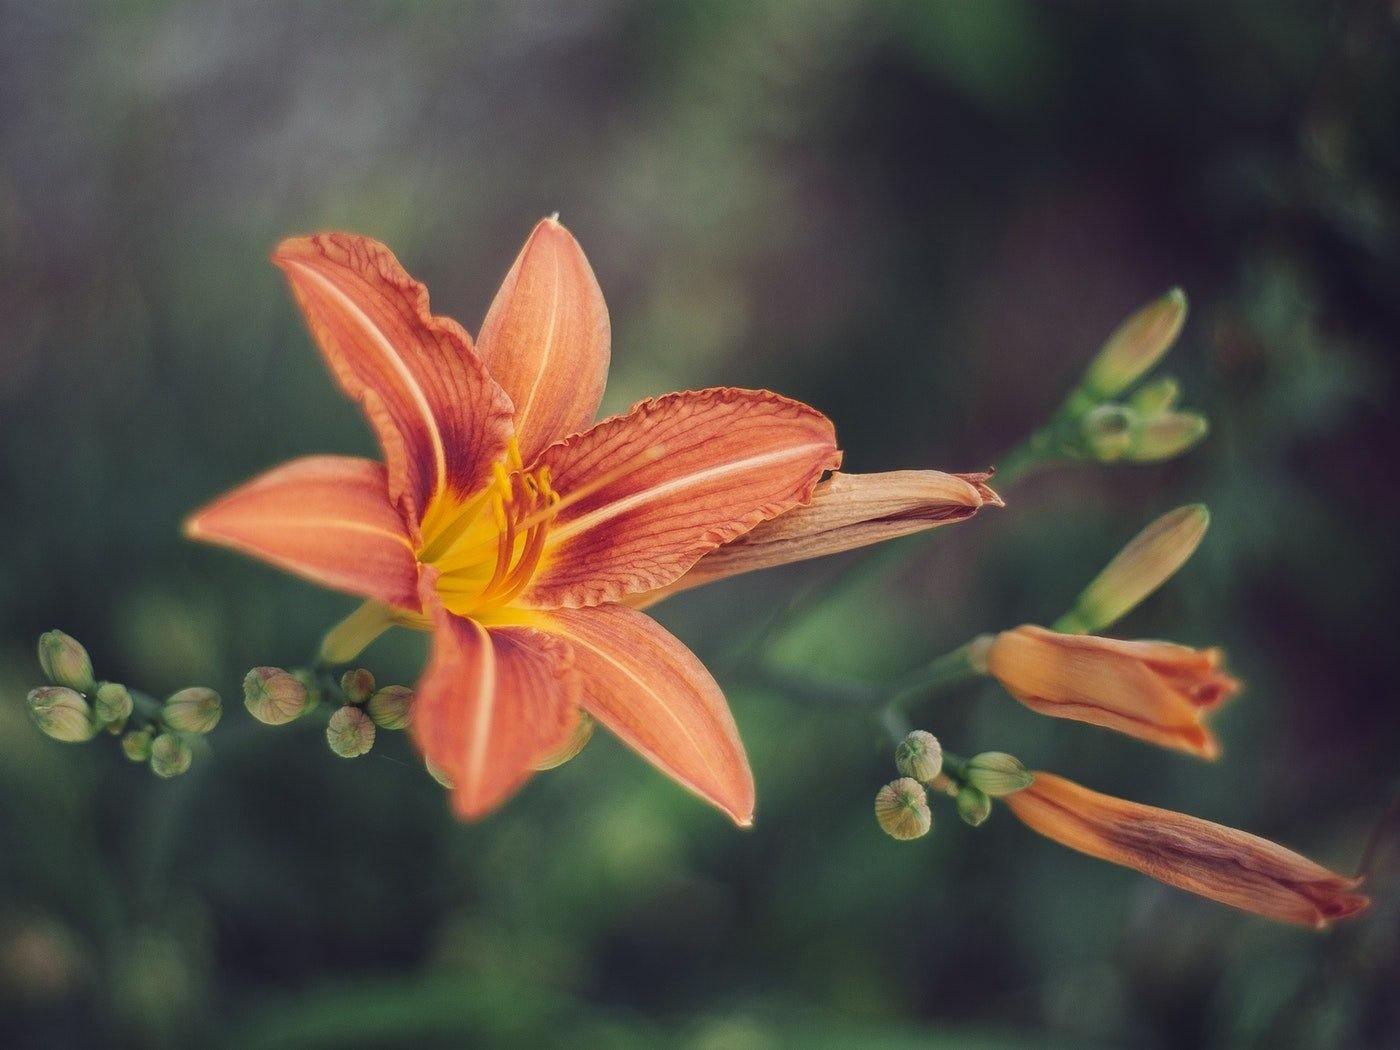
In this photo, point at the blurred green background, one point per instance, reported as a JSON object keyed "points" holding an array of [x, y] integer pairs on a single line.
{"points": [[920, 217]]}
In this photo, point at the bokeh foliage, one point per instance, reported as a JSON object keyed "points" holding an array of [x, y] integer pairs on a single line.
{"points": [[920, 217]]}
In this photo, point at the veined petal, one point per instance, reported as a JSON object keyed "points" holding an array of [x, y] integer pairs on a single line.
{"points": [[546, 338], [651, 691], [491, 705], [847, 511], [1226, 865], [327, 518], [440, 418], [676, 477]]}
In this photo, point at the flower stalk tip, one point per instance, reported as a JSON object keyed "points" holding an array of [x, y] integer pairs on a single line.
{"points": [[193, 710], [350, 732], [357, 685], [61, 714], [973, 806], [997, 774], [170, 756], [920, 756], [274, 696], [389, 707], [112, 704], [901, 808], [65, 662]]}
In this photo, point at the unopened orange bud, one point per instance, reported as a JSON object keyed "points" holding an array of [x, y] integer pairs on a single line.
{"points": [[1225, 865], [1155, 691]]}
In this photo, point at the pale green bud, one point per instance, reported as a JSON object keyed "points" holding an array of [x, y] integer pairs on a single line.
{"points": [[274, 696], [901, 808], [65, 661], [1155, 397], [350, 732], [1168, 436], [1136, 346], [389, 706], [1149, 560], [170, 755], [357, 685], [996, 773], [193, 710], [1108, 432], [583, 733], [61, 713], [919, 755], [974, 807], [112, 703], [136, 745], [311, 685]]}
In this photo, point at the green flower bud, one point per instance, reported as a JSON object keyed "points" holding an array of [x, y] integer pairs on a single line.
{"points": [[65, 661], [996, 773], [350, 732], [170, 755], [357, 685], [1168, 436], [274, 696], [583, 733], [389, 706], [439, 774], [973, 806], [1108, 432], [1136, 346], [901, 807], [312, 686], [919, 755], [193, 710], [112, 704], [1149, 560], [61, 713], [136, 745], [1154, 398]]}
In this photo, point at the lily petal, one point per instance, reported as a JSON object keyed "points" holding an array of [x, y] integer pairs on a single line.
{"points": [[327, 518], [546, 338], [440, 418], [492, 705], [847, 511], [1199, 856], [676, 477], [650, 690]]}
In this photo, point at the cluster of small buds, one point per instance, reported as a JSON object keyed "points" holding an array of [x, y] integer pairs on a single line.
{"points": [[76, 707], [901, 806], [1105, 420], [276, 697]]}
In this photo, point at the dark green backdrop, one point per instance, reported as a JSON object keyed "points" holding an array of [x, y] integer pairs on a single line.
{"points": [[919, 217]]}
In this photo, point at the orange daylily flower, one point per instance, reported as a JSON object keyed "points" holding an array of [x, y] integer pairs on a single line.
{"points": [[513, 528], [1155, 691], [1223, 864]]}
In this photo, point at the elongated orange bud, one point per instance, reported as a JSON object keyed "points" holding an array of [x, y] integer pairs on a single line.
{"points": [[1155, 691], [1136, 345], [1225, 865]]}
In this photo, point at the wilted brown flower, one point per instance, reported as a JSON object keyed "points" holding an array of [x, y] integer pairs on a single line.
{"points": [[1225, 865]]}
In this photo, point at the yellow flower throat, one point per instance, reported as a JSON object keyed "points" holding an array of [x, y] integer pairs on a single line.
{"points": [[489, 546]]}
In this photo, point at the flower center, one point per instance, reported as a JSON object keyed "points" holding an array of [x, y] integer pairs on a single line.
{"points": [[488, 547]]}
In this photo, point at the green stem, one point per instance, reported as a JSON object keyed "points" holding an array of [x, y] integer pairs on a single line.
{"points": [[949, 669]]}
